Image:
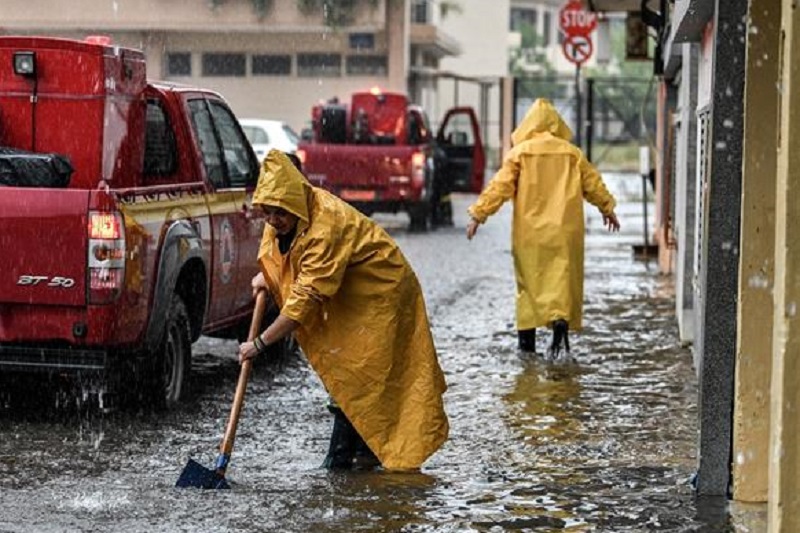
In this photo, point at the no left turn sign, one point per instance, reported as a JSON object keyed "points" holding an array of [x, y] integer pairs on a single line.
{"points": [[577, 48]]}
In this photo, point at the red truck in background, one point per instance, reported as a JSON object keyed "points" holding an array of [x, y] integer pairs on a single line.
{"points": [[126, 226], [379, 154]]}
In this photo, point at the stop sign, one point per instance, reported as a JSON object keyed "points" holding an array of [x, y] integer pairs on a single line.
{"points": [[574, 20]]}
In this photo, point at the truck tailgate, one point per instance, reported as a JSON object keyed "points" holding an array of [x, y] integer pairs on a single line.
{"points": [[43, 240], [338, 166]]}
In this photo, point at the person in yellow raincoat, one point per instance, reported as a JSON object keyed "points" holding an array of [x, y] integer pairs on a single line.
{"points": [[547, 177], [357, 311]]}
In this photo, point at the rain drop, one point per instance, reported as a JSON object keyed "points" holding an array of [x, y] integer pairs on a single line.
{"points": [[758, 281]]}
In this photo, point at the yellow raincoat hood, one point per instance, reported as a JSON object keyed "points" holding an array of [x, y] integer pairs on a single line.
{"points": [[548, 179], [363, 323], [541, 117], [282, 185]]}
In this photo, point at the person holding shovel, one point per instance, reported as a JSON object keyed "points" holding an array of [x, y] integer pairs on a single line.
{"points": [[356, 309], [548, 178]]}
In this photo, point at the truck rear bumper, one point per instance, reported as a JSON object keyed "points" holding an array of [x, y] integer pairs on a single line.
{"points": [[383, 206], [15, 358]]}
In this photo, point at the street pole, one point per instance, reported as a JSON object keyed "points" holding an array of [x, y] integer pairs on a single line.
{"points": [[578, 117], [589, 117]]}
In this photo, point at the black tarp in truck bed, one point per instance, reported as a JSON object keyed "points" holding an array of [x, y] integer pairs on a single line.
{"points": [[20, 168]]}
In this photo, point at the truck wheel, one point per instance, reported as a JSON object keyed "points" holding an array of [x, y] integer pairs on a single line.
{"points": [[169, 367]]}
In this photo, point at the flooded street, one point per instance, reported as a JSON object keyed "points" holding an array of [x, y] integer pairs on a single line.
{"points": [[604, 441]]}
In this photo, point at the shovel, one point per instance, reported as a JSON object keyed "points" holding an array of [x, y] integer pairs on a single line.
{"points": [[196, 475]]}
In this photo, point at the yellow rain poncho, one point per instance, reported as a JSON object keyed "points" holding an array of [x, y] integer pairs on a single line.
{"points": [[363, 324], [548, 178]]}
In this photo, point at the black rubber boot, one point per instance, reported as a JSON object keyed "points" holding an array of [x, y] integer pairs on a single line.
{"points": [[527, 339], [364, 459], [343, 445], [446, 212], [560, 338]]}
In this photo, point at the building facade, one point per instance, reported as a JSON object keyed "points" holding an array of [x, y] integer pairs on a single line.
{"points": [[729, 147], [274, 63]]}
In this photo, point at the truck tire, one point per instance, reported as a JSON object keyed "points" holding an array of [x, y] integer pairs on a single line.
{"points": [[418, 214], [167, 370]]}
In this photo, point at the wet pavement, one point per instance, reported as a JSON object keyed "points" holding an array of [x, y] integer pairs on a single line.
{"points": [[602, 441]]}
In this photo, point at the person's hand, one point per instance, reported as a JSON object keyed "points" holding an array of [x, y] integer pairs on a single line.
{"points": [[247, 350], [472, 228], [611, 221], [258, 283]]}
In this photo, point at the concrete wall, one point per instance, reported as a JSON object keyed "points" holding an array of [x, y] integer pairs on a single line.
{"points": [[719, 282], [686, 191]]}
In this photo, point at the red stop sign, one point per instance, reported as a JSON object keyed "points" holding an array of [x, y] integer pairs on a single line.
{"points": [[574, 20]]}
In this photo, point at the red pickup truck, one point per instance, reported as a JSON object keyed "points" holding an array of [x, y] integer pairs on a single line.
{"points": [[379, 154], [126, 226]]}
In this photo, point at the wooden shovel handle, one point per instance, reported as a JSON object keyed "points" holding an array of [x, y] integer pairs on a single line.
{"points": [[244, 375]]}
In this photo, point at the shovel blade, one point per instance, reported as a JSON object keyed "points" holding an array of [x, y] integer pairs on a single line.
{"points": [[196, 475]]}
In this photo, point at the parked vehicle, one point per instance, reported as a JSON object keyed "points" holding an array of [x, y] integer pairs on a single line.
{"points": [[125, 217], [264, 135], [379, 154]]}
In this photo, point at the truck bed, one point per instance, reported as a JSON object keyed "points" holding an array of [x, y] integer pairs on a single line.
{"points": [[363, 173]]}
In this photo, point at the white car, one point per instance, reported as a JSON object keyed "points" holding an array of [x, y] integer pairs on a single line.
{"points": [[264, 135]]}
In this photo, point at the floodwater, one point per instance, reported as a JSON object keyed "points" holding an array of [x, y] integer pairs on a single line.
{"points": [[602, 441]]}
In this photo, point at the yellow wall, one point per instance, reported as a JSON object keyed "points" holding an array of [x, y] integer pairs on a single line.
{"points": [[784, 491], [754, 346]]}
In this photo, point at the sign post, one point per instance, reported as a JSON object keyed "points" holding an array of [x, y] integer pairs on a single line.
{"points": [[577, 24]]}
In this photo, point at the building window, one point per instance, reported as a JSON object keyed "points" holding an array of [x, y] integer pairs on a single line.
{"points": [[179, 64], [224, 64], [367, 66], [362, 41], [323, 65], [272, 65], [421, 12], [547, 32], [520, 16]]}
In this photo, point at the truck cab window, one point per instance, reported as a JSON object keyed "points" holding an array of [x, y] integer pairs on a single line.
{"points": [[160, 150], [417, 129], [458, 131], [242, 168], [207, 140]]}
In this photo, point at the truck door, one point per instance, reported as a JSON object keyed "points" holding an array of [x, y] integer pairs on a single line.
{"points": [[223, 213], [460, 138], [242, 169]]}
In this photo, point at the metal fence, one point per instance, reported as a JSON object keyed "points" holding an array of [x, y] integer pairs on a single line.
{"points": [[611, 112]]}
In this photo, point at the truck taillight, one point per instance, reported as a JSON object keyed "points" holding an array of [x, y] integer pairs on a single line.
{"points": [[418, 169], [106, 256]]}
